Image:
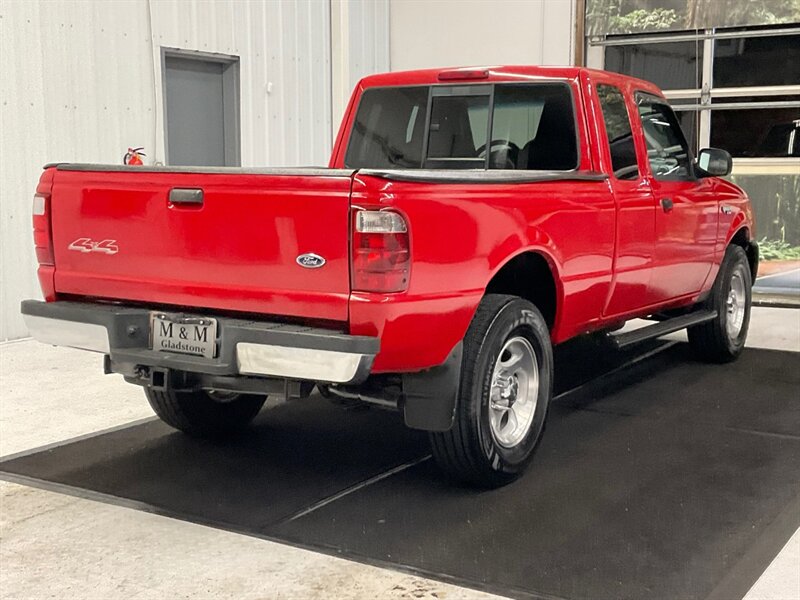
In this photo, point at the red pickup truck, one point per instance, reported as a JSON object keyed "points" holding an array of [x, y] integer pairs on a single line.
{"points": [[469, 219]]}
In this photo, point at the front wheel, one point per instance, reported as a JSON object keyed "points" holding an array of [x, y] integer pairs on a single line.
{"points": [[722, 339], [505, 390], [205, 414]]}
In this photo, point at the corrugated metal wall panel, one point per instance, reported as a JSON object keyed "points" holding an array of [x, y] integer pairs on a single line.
{"points": [[284, 61], [359, 46], [22, 149], [76, 85], [369, 38], [443, 33], [81, 81]]}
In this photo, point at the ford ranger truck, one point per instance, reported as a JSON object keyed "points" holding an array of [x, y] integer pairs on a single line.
{"points": [[468, 221]]}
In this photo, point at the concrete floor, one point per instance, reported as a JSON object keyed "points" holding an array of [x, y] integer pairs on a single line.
{"points": [[55, 545], [782, 283], [63, 547]]}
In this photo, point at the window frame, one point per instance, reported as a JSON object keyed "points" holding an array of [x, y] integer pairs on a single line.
{"points": [[631, 124], [442, 89], [450, 90], [640, 96]]}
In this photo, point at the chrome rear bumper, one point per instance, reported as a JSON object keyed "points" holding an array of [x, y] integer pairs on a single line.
{"points": [[259, 348], [74, 334]]}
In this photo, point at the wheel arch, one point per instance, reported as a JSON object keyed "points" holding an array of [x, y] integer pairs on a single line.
{"points": [[530, 274], [741, 237]]}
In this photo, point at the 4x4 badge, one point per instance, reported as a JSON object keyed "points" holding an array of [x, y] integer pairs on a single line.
{"points": [[88, 245]]}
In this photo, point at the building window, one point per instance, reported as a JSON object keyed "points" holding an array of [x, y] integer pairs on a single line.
{"points": [[756, 132], [670, 65], [736, 89], [755, 61], [724, 85]]}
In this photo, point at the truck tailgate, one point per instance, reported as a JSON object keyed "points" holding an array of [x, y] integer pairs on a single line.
{"points": [[118, 234]]}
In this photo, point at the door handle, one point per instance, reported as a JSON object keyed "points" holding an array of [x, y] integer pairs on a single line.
{"points": [[667, 204], [190, 196]]}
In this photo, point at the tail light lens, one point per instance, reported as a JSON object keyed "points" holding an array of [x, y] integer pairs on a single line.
{"points": [[381, 255], [42, 234]]}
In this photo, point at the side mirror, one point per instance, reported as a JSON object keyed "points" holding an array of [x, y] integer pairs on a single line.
{"points": [[714, 162]]}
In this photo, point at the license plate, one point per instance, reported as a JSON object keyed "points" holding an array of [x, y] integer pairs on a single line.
{"points": [[183, 334]]}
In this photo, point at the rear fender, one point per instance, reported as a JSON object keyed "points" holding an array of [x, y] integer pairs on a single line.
{"points": [[546, 251]]}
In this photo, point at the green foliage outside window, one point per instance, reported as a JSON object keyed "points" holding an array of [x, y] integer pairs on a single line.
{"points": [[632, 16], [776, 202], [644, 20], [777, 250]]}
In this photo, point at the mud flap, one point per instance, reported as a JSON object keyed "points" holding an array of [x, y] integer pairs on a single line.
{"points": [[431, 397]]}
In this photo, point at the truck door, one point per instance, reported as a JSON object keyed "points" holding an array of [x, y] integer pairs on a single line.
{"points": [[685, 206], [635, 231]]}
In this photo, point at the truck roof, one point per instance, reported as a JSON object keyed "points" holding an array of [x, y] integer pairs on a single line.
{"points": [[487, 73]]}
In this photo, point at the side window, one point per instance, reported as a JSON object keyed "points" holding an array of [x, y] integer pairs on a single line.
{"points": [[618, 131], [667, 150]]}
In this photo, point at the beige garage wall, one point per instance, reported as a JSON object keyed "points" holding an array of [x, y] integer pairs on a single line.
{"points": [[442, 33]]}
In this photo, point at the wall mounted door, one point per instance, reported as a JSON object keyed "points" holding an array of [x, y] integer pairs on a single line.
{"points": [[202, 110]]}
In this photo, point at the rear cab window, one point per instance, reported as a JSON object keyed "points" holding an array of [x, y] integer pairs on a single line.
{"points": [[389, 129], [457, 129], [511, 126]]}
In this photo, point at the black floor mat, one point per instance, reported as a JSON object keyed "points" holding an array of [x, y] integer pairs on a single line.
{"points": [[669, 479]]}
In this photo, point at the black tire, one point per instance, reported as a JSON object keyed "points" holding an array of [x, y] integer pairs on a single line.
{"points": [[198, 414], [470, 451], [713, 341]]}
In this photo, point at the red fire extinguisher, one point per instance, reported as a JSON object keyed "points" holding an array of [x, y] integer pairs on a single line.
{"points": [[134, 156]]}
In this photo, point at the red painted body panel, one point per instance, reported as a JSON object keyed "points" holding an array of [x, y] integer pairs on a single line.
{"points": [[235, 252], [685, 237], [613, 251], [461, 235]]}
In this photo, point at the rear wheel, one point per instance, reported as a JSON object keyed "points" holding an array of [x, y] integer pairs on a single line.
{"points": [[205, 414], [722, 339], [505, 390]]}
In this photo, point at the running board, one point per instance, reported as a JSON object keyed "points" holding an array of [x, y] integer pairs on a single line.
{"points": [[623, 340]]}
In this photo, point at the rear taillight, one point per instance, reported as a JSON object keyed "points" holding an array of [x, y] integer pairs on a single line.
{"points": [[381, 255], [42, 234]]}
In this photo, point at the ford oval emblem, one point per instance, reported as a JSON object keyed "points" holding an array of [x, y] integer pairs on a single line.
{"points": [[310, 261]]}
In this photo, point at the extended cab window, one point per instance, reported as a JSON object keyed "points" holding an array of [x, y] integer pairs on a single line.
{"points": [[667, 150], [618, 132], [532, 127]]}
